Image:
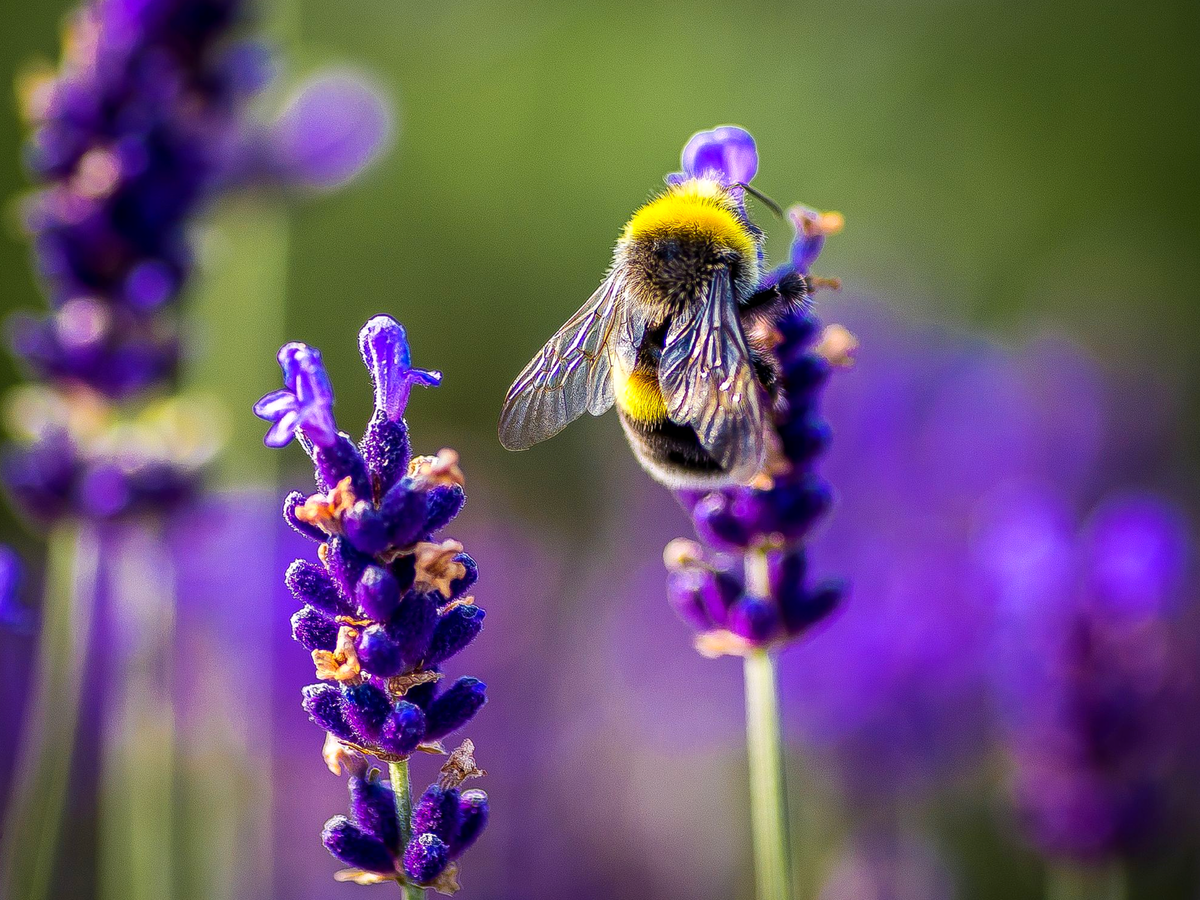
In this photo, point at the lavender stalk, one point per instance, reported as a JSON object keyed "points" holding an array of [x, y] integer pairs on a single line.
{"points": [[33, 819], [402, 790], [138, 772], [1070, 882], [768, 797]]}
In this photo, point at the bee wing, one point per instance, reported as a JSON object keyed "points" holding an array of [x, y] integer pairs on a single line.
{"points": [[708, 381], [572, 373]]}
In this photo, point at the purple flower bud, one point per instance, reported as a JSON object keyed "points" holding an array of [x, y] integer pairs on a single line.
{"points": [[727, 153], [685, 593], [326, 705], [798, 332], [104, 491], [412, 625], [798, 504], [373, 809], [756, 619], [355, 848], [311, 585], [314, 630], [718, 524], [384, 347], [473, 818], [367, 709], [404, 729], [455, 707], [377, 593], [403, 512], [331, 129], [460, 586], [454, 631], [437, 812], [366, 529], [445, 501], [425, 857], [337, 459], [422, 694], [379, 654], [805, 609], [294, 499], [346, 566], [804, 437], [386, 449]]}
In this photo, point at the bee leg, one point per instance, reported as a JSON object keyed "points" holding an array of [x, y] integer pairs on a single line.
{"points": [[792, 291]]}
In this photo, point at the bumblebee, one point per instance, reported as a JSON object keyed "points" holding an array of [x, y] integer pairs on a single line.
{"points": [[675, 338]]}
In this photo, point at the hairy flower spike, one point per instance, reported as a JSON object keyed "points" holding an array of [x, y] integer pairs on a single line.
{"points": [[383, 610], [742, 588]]}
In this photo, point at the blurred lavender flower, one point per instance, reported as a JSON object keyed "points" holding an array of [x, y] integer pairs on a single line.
{"points": [[13, 616], [1092, 677], [747, 586], [931, 423], [144, 125], [883, 866], [383, 610], [935, 428], [328, 132]]}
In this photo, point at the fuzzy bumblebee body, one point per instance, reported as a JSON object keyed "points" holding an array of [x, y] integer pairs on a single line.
{"points": [[664, 339]]}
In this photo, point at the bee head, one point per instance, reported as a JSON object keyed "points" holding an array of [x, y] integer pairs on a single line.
{"points": [[672, 244]]}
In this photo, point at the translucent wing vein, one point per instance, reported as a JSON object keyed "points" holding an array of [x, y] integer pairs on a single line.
{"points": [[708, 381]]}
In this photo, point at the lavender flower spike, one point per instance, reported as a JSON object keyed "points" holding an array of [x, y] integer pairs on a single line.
{"points": [[305, 403], [384, 347], [382, 612], [745, 587]]}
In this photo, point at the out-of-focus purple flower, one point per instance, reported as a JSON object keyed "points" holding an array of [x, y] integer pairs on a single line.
{"points": [[13, 615], [933, 425], [331, 129], [385, 607], [747, 585], [726, 153], [882, 866], [1091, 677], [144, 124]]}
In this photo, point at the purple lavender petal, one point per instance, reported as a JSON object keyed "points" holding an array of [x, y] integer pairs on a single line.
{"points": [[727, 153], [332, 128], [385, 351]]}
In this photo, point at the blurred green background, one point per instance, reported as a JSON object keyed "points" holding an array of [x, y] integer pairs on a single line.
{"points": [[1004, 164]]}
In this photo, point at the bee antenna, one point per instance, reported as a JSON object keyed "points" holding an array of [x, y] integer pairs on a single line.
{"points": [[759, 195]]}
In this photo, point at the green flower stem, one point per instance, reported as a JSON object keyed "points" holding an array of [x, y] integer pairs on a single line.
{"points": [[138, 761], [1065, 881], [768, 799], [33, 824], [398, 775]]}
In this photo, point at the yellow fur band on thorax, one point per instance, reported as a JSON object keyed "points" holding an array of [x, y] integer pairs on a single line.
{"points": [[698, 208]]}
